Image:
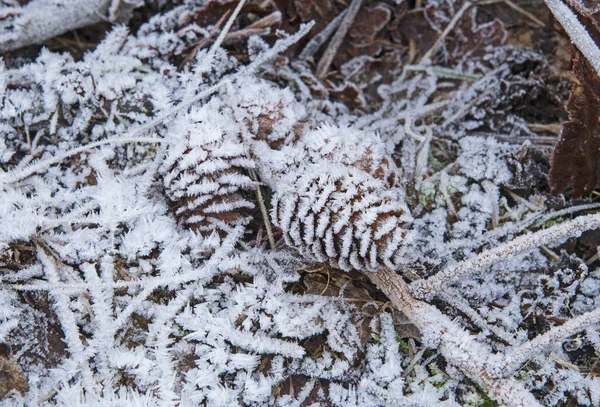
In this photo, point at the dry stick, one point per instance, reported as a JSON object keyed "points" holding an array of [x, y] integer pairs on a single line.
{"points": [[577, 32], [454, 298], [41, 20], [32, 169], [68, 322], [520, 354], [311, 48], [526, 13], [446, 31], [226, 29], [515, 7], [456, 345], [263, 210], [202, 43], [337, 39], [429, 287]]}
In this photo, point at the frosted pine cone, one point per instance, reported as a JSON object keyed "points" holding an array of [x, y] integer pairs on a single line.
{"points": [[272, 115], [204, 170], [343, 215], [348, 146]]}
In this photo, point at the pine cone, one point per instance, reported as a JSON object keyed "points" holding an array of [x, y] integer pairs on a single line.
{"points": [[342, 202], [353, 148], [343, 215], [272, 115], [204, 170]]}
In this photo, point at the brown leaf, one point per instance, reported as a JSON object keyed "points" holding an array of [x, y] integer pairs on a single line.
{"points": [[319, 11], [414, 25], [576, 159], [467, 40], [208, 14], [362, 37], [470, 39]]}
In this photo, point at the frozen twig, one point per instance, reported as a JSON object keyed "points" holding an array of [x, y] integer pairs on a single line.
{"points": [[226, 29], [318, 40], [68, 322], [540, 344], [446, 31], [454, 298], [43, 19], [457, 346], [576, 31], [337, 39], [429, 287]]}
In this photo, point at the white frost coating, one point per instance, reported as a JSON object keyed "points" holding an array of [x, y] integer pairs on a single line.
{"points": [[577, 32], [40, 20]]}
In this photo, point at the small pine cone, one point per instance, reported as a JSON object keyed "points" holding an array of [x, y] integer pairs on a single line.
{"points": [[273, 115], [348, 146], [343, 215], [204, 171]]}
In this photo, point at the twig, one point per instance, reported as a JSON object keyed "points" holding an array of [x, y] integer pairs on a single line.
{"points": [[429, 287], [576, 31], [226, 29], [457, 346], [32, 169], [41, 20], [526, 13], [202, 43], [68, 322], [311, 48], [263, 210], [446, 31], [337, 39], [454, 298], [554, 337]]}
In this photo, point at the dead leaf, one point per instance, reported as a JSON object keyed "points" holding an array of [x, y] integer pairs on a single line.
{"points": [[576, 159]]}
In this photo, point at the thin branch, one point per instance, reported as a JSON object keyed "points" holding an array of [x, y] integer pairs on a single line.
{"points": [[226, 29], [541, 344], [41, 20], [577, 32], [446, 31], [16, 176], [429, 287], [311, 48], [457, 346], [454, 298], [337, 39], [263, 211], [68, 321]]}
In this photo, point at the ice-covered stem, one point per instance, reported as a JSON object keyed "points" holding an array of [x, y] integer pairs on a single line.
{"points": [[554, 337], [457, 346], [429, 287], [576, 31], [79, 352], [40, 20]]}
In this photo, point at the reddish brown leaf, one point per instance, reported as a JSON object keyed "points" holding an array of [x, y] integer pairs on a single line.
{"points": [[319, 11], [576, 157], [362, 36], [414, 25], [470, 39]]}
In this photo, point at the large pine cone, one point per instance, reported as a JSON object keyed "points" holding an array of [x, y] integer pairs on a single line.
{"points": [[342, 201], [344, 216], [204, 171]]}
